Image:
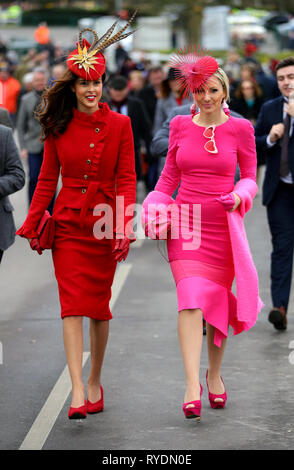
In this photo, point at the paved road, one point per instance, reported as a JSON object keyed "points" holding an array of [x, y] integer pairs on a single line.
{"points": [[143, 376]]}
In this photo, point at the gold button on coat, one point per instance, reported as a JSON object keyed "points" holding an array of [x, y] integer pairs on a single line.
{"points": [[84, 190], [88, 161], [97, 130], [91, 146], [85, 177]]}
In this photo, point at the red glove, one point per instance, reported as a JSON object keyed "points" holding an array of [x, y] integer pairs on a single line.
{"points": [[228, 201], [121, 249], [35, 245]]}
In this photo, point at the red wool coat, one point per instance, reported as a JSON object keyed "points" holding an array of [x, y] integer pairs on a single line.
{"points": [[96, 159]]}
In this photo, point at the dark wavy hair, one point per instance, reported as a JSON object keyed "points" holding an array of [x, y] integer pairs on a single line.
{"points": [[56, 108]]}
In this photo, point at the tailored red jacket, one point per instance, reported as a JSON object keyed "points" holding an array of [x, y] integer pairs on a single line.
{"points": [[96, 159]]}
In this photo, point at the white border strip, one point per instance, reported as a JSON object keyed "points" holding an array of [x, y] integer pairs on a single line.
{"points": [[36, 437]]}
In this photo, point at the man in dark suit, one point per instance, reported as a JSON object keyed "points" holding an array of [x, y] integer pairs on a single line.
{"points": [[12, 179], [275, 135], [120, 101]]}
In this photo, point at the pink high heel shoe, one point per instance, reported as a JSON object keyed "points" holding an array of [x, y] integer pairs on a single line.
{"points": [[96, 407], [213, 397], [195, 410]]}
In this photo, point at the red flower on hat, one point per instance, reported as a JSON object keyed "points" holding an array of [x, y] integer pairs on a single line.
{"points": [[193, 68], [86, 64]]}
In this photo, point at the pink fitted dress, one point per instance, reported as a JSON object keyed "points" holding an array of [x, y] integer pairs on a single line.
{"points": [[203, 266]]}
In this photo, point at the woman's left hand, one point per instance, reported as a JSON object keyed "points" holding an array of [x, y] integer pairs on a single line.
{"points": [[230, 201]]}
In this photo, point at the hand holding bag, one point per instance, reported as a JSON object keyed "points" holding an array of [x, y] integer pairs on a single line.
{"points": [[46, 233], [156, 215]]}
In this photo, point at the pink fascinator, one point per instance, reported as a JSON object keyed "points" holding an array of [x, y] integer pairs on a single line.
{"points": [[193, 67]]}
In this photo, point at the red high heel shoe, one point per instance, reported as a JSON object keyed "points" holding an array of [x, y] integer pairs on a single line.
{"points": [[195, 410], [96, 407], [78, 413], [212, 396]]}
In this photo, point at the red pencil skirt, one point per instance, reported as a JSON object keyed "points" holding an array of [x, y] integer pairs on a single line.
{"points": [[84, 266]]}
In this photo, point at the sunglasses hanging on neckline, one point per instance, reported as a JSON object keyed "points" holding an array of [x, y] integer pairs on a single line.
{"points": [[210, 146]]}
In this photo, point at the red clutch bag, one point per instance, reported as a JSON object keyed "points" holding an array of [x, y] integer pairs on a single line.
{"points": [[46, 233]]}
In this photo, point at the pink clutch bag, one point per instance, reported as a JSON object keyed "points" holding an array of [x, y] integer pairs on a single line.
{"points": [[46, 233]]}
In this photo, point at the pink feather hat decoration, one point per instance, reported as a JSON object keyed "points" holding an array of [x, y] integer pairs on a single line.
{"points": [[193, 67]]}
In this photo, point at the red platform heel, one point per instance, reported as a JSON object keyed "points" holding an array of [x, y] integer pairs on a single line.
{"points": [[193, 412], [78, 413], [96, 407], [213, 397]]}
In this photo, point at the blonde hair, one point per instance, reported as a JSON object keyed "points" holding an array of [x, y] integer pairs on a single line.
{"points": [[221, 75]]}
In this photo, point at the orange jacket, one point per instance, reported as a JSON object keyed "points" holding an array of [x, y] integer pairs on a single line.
{"points": [[42, 35], [9, 91]]}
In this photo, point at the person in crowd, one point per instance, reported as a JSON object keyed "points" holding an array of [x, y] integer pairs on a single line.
{"points": [[148, 94], [58, 54], [274, 132], [26, 64], [203, 152], [93, 147], [12, 179], [232, 66], [120, 57], [247, 100], [136, 83], [127, 67], [255, 73], [42, 34], [170, 95], [3, 48], [57, 72], [9, 90], [121, 102], [26, 87], [150, 91], [5, 118], [29, 131]]}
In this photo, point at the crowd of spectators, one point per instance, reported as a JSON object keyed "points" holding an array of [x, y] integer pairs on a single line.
{"points": [[146, 91]]}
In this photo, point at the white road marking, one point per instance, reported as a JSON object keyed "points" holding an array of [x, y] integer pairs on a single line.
{"points": [[45, 420], [37, 435]]}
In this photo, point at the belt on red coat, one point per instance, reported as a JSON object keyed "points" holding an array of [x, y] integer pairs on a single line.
{"points": [[106, 187]]}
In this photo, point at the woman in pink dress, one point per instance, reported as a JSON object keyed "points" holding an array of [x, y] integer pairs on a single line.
{"points": [[206, 242]]}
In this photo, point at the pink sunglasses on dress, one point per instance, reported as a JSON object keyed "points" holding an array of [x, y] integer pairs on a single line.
{"points": [[209, 134]]}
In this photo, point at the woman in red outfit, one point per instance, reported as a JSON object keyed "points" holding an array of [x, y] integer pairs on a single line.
{"points": [[93, 148]]}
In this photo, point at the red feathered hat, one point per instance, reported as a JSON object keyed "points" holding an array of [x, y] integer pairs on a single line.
{"points": [[87, 61], [193, 67]]}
